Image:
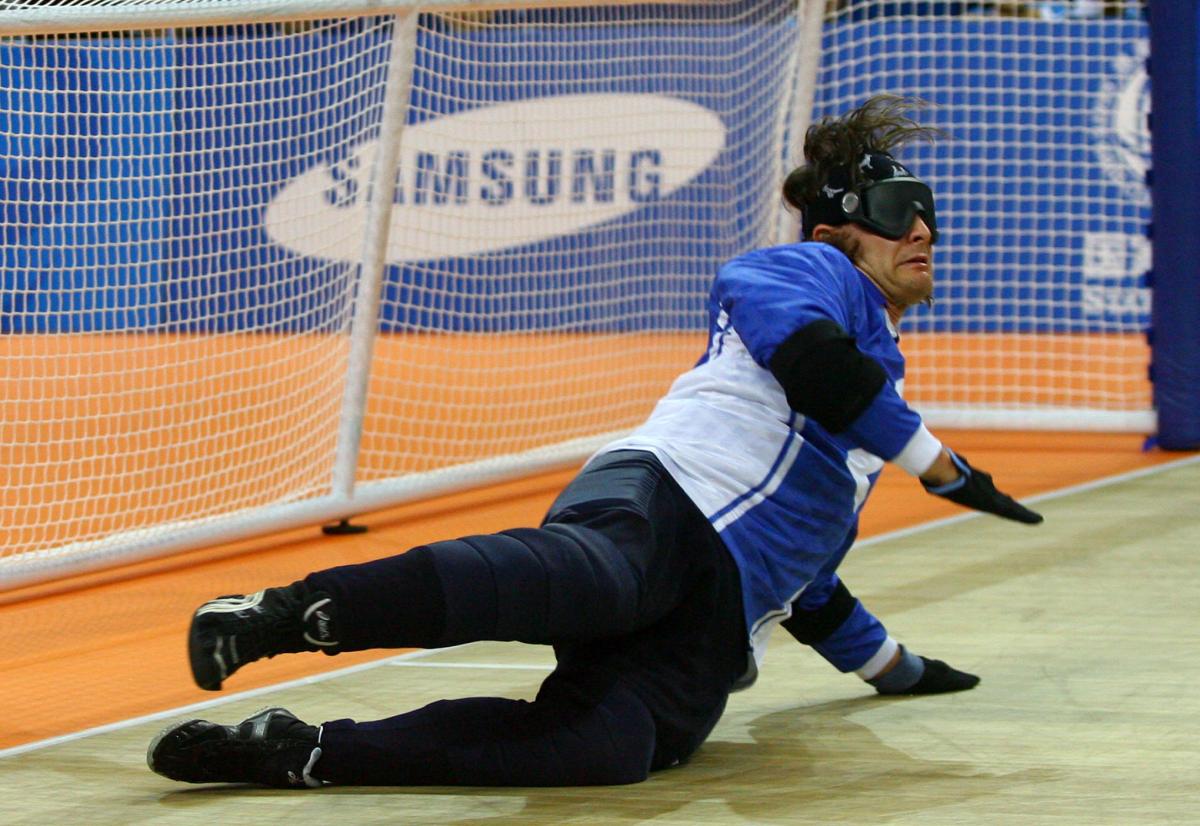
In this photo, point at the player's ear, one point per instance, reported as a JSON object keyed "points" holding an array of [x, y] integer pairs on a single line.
{"points": [[823, 232]]}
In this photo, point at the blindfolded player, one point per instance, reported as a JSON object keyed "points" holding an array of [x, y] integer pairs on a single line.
{"points": [[660, 571]]}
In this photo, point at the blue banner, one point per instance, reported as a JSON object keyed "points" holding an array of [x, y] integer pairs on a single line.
{"points": [[184, 185], [84, 176], [1040, 182]]}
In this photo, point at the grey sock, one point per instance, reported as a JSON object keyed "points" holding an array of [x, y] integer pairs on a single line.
{"points": [[903, 676]]}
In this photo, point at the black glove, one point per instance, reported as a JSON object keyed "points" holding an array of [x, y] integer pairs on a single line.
{"points": [[974, 489]]}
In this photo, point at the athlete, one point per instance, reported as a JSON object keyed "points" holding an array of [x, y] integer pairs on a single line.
{"points": [[660, 571]]}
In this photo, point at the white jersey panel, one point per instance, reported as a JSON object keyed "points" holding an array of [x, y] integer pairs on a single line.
{"points": [[721, 430]]}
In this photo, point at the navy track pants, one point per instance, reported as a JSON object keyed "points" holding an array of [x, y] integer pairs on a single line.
{"points": [[628, 582]]}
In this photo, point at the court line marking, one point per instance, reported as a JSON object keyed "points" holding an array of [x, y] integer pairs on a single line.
{"points": [[492, 666], [407, 659]]}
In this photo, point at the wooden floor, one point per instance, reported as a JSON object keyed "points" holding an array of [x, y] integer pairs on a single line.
{"points": [[1083, 630]]}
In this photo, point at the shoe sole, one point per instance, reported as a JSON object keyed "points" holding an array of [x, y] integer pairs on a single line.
{"points": [[205, 671]]}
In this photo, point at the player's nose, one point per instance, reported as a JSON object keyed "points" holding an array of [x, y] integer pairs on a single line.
{"points": [[919, 231]]}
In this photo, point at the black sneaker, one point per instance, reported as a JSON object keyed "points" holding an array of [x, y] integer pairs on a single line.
{"points": [[229, 632], [270, 748]]}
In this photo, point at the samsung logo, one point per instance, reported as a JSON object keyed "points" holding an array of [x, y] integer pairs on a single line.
{"points": [[504, 176]]}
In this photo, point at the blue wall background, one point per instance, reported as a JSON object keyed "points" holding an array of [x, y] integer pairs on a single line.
{"points": [[108, 191], [1027, 161]]}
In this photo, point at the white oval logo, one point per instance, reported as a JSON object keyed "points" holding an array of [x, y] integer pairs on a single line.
{"points": [[504, 176], [1120, 117]]}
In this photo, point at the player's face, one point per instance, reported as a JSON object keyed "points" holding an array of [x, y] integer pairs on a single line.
{"points": [[902, 268]]}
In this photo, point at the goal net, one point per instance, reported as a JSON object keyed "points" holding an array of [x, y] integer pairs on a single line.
{"points": [[276, 263], [220, 318], [1042, 297]]}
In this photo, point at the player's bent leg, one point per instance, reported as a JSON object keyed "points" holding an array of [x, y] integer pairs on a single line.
{"points": [[535, 585], [472, 742], [495, 742], [609, 559], [595, 570]]}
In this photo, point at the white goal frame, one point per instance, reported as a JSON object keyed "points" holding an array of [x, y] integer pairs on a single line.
{"points": [[348, 496]]}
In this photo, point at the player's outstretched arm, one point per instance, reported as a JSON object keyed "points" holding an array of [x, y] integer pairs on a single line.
{"points": [[952, 477], [838, 626]]}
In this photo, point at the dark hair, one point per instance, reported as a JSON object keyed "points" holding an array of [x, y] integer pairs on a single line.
{"points": [[838, 143]]}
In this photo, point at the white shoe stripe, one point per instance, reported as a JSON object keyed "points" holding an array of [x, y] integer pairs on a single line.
{"points": [[306, 772], [229, 605], [322, 643], [220, 661], [318, 604]]}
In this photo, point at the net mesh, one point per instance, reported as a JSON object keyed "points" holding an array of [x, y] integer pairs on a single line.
{"points": [[1042, 300], [593, 180], [164, 360], [184, 213]]}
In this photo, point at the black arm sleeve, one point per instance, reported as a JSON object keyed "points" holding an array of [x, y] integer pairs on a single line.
{"points": [[825, 376], [813, 627]]}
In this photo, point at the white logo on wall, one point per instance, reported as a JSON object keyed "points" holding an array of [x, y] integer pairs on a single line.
{"points": [[1112, 265], [1121, 131], [1113, 262], [504, 176]]}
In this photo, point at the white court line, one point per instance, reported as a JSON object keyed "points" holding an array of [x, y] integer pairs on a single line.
{"points": [[407, 659], [494, 666]]}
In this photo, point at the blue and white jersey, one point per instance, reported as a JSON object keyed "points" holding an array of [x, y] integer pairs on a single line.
{"points": [[783, 492]]}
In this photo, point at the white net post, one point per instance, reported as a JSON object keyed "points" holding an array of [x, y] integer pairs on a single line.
{"points": [[810, 19], [382, 189], [172, 377], [559, 240]]}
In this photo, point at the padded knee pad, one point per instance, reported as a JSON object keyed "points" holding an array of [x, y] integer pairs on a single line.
{"points": [[536, 585]]}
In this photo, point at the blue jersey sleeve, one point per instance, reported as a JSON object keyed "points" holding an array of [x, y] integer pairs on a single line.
{"points": [[770, 294], [887, 427]]}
